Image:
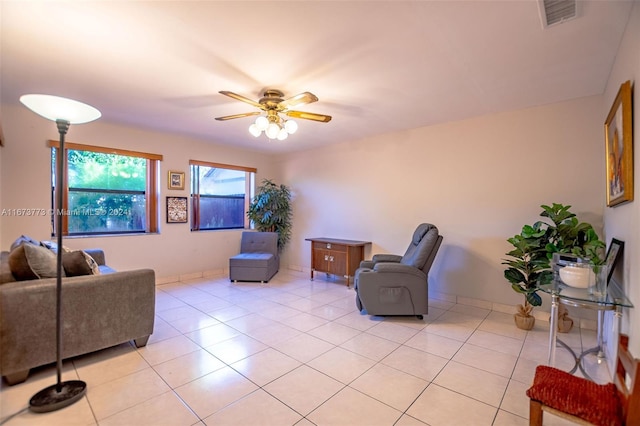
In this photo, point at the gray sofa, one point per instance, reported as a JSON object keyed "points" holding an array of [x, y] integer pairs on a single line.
{"points": [[258, 259], [98, 311]]}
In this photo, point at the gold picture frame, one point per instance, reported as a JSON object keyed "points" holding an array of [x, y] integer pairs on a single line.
{"points": [[619, 148], [175, 180], [177, 210]]}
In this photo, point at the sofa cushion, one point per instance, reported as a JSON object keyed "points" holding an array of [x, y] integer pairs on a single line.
{"points": [[78, 262], [53, 246], [251, 260], [31, 262], [22, 239], [19, 265]]}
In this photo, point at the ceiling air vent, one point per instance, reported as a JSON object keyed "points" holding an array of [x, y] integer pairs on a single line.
{"points": [[554, 12]]}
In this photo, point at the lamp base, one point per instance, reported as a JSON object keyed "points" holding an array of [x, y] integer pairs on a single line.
{"points": [[56, 396]]}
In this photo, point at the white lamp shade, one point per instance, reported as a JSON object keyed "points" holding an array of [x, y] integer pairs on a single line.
{"points": [[253, 129], [262, 123], [272, 131], [282, 135], [56, 108], [291, 126]]}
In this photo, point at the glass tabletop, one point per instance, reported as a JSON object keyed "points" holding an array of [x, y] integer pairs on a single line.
{"points": [[613, 298]]}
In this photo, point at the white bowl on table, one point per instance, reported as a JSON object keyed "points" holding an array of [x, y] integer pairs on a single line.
{"points": [[577, 276]]}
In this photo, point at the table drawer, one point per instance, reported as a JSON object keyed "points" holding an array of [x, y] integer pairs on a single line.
{"points": [[329, 246]]}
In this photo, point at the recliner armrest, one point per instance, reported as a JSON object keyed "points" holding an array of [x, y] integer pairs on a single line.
{"points": [[383, 257], [366, 264], [397, 268]]}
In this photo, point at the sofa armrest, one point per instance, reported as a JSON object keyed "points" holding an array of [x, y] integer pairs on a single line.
{"points": [[98, 256], [98, 311]]}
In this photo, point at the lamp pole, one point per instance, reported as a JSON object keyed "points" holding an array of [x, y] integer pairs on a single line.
{"points": [[64, 112]]}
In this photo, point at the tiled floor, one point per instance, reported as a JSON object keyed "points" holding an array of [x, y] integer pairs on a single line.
{"points": [[297, 352]]}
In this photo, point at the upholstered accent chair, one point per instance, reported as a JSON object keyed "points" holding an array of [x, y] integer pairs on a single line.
{"points": [[390, 284], [258, 259], [584, 402]]}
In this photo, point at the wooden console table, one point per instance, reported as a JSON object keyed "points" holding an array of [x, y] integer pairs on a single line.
{"points": [[336, 257]]}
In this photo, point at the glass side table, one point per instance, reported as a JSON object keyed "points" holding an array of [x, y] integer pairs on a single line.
{"points": [[613, 300]]}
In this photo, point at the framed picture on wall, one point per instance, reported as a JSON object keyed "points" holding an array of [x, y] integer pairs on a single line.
{"points": [[619, 148], [176, 209], [176, 180]]}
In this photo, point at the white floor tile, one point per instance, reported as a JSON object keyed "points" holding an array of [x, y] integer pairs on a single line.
{"points": [[477, 384], [257, 408], [186, 368], [350, 407], [294, 389], [165, 409], [415, 362], [265, 366], [112, 397], [399, 391], [438, 406], [216, 390]]}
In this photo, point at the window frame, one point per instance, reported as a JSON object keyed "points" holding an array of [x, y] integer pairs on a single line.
{"points": [[195, 196], [151, 190]]}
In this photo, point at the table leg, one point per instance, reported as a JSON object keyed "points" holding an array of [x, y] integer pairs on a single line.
{"points": [[553, 329]]}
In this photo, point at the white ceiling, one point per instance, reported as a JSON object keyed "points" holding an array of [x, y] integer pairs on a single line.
{"points": [[376, 66]]}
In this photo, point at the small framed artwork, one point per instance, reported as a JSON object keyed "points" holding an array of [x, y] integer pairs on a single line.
{"points": [[619, 148], [176, 209], [176, 180], [614, 254]]}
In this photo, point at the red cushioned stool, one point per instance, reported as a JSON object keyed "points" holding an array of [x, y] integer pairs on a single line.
{"points": [[585, 402]]}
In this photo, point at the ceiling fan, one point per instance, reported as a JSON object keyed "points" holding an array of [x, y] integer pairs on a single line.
{"points": [[273, 103]]}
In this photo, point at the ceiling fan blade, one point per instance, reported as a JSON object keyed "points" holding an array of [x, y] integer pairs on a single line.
{"points": [[241, 98], [231, 117], [300, 99], [309, 116]]}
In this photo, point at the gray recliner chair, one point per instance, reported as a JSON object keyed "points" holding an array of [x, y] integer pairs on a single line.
{"points": [[390, 284]]}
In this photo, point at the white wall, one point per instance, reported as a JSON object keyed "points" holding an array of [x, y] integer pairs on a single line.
{"points": [[623, 222], [478, 180], [25, 179]]}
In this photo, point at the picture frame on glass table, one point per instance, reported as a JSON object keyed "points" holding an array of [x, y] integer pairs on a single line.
{"points": [[614, 254]]}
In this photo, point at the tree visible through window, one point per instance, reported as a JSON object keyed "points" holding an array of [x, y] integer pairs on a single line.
{"points": [[107, 191], [220, 195]]}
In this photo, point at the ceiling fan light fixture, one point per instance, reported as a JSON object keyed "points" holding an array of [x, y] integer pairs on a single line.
{"points": [[282, 134], [290, 126], [254, 130], [272, 131], [262, 123]]}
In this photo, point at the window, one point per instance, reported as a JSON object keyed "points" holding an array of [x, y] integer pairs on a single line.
{"points": [[220, 195], [106, 191]]}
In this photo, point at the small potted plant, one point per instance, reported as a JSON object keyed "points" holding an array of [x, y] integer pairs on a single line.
{"points": [[527, 263]]}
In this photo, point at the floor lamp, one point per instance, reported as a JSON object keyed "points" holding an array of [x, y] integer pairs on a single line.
{"points": [[64, 112]]}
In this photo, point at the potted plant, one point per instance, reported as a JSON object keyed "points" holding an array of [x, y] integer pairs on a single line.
{"points": [[526, 264], [270, 211], [530, 261]]}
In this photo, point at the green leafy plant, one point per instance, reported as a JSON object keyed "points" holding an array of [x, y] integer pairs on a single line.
{"points": [[529, 263], [270, 211]]}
